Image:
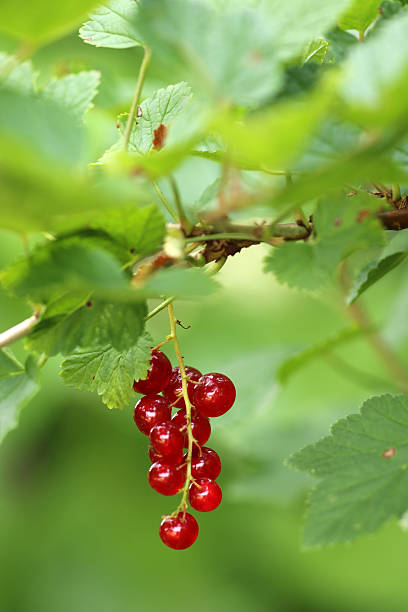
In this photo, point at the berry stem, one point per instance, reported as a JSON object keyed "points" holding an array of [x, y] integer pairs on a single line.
{"points": [[19, 331], [173, 329], [163, 200], [136, 98]]}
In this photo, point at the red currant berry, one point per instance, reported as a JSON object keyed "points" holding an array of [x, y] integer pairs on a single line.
{"points": [[167, 439], [179, 532], [166, 478], [215, 395], [200, 426], [151, 410], [204, 495], [174, 388], [206, 464], [158, 377], [154, 455]]}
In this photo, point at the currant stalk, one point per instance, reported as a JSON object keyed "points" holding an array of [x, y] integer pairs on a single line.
{"points": [[182, 507]]}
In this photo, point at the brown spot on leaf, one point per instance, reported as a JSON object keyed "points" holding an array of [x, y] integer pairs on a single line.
{"points": [[89, 304], [139, 111], [389, 453], [337, 222], [159, 137], [362, 215], [118, 125]]}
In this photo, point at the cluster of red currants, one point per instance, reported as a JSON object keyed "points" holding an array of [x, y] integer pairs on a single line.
{"points": [[210, 395]]}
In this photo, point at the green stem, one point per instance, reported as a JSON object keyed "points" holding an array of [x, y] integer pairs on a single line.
{"points": [[160, 307], [165, 203], [184, 222], [136, 98]]}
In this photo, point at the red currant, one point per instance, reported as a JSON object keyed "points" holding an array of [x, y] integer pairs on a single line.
{"points": [[204, 495], [166, 478], [174, 388], [179, 532], [215, 395], [154, 455], [205, 463], [151, 410], [167, 439], [158, 376], [200, 426]]}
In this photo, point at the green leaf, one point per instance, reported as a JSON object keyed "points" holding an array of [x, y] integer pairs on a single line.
{"points": [[161, 108], [17, 76], [107, 371], [360, 15], [375, 74], [112, 25], [40, 125], [316, 51], [362, 467], [74, 91], [339, 232], [294, 24], [230, 54], [60, 265], [374, 272], [293, 364], [182, 282], [18, 384], [66, 325], [297, 264], [139, 230], [42, 21], [277, 136]]}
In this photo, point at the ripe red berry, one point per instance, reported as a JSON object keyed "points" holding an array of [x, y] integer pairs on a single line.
{"points": [[166, 478], [205, 464], [200, 426], [158, 376], [167, 439], [149, 411], [204, 495], [179, 532], [154, 455], [174, 388], [215, 395]]}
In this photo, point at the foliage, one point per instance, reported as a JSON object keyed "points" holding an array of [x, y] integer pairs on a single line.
{"points": [[298, 117]]}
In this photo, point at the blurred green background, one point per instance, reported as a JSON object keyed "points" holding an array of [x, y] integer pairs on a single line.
{"points": [[78, 521]]}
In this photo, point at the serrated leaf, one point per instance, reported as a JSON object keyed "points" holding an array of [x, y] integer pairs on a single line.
{"points": [[339, 233], [139, 230], [230, 54], [373, 273], [67, 325], [112, 24], [107, 371], [316, 51], [18, 384], [359, 15], [75, 92], [362, 467], [297, 265], [290, 366], [43, 21], [160, 109]]}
